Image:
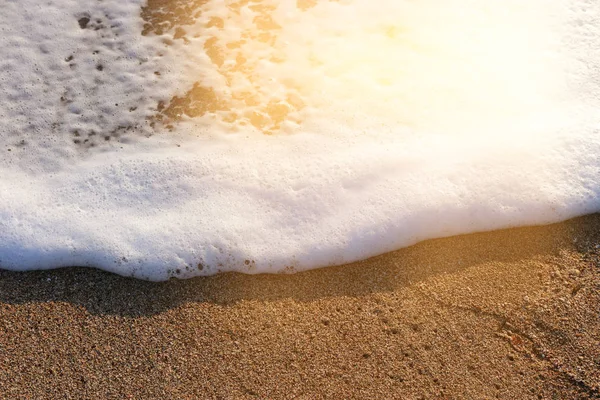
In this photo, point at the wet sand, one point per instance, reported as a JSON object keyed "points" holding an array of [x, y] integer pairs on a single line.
{"points": [[513, 314]]}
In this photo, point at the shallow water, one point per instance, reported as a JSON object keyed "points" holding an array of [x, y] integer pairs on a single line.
{"points": [[187, 138]]}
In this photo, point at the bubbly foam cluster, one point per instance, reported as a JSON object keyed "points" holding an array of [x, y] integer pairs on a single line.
{"points": [[133, 135]]}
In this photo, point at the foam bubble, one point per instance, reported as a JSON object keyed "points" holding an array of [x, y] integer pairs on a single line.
{"points": [[300, 135]]}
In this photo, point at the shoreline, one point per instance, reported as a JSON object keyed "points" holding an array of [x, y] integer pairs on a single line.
{"points": [[480, 315]]}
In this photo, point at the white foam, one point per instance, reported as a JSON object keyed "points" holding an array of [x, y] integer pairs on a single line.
{"points": [[421, 120]]}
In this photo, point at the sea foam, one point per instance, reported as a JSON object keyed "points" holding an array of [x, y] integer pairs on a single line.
{"points": [[279, 136]]}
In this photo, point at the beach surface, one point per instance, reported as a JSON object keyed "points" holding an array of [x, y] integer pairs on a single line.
{"points": [[511, 314]]}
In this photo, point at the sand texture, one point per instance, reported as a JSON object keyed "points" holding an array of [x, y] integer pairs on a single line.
{"points": [[511, 314]]}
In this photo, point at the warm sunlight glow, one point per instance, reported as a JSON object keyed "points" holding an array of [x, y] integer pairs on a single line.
{"points": [[428, 65]]}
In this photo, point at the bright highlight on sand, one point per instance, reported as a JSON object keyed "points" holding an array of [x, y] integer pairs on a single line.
{"points": [[279, 136]]}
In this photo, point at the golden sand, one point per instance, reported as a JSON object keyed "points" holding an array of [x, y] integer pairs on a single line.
{"points": [[510, 314]]}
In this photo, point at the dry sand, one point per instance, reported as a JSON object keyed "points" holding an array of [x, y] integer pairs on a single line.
{"points": [[512, 314]]}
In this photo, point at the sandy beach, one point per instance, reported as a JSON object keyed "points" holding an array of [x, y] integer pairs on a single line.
{"points": [[511, 314]]}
